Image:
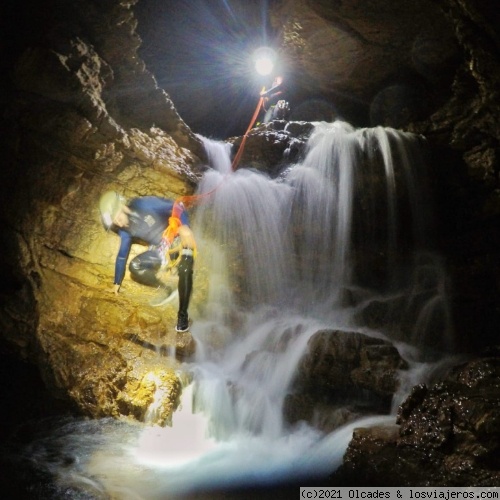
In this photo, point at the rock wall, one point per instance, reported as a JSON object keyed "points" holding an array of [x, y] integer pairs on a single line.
{"points": [[465, 134], [371, 60], [83, 115], [378, 63], [447, 434], [431, 68]]}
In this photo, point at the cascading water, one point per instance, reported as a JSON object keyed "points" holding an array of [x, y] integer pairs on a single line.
{"points": [[343, 236]]}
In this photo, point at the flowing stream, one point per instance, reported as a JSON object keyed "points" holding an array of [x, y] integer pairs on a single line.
{"points": [[334, 240]]}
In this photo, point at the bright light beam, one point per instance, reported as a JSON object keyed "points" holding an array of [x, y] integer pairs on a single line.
{"points": [[264, 59]]}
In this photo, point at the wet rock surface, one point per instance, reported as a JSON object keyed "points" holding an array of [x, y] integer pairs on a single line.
{"points": [[432, 69], [447, 434], [273, 146], [343, 367], [84, 117]]}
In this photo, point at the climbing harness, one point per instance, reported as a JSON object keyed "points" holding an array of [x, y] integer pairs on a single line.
{"points": [[170, 253]]}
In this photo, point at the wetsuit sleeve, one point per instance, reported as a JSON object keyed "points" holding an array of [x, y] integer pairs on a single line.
{"points": [[184, 217], [121, 258]]}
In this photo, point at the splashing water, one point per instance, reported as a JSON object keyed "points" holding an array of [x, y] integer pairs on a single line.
{"points": [[344, 235]]}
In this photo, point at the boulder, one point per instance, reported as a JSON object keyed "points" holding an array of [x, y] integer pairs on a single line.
{"points": [[343, 367], [446, 434]]}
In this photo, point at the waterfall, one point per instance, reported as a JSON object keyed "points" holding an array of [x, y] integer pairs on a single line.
{"points": [[296, 244], [340, 241], [185, 440], [347, 231]]}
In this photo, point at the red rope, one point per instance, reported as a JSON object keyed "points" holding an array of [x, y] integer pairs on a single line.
{"points": [[237, 157], [190, 200]]}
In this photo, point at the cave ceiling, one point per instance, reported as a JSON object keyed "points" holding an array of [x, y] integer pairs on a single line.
{"points": [[359, 60], [369, 62]]}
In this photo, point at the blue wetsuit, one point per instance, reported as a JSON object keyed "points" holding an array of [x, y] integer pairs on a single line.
{"points": [[147, 222]]}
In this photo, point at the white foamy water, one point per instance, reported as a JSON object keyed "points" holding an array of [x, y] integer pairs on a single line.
{"points": [[286, 259]]}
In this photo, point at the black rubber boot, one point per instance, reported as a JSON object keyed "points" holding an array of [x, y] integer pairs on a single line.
{"points": [[185, 287], [182, 323]]}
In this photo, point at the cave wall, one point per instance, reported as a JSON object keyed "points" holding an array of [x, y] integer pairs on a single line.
{"points": [[82, 115], [431, 68], [377, 63], [454, 105], [465, 134]]}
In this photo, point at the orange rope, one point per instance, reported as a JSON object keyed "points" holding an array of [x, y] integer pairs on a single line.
{"points": [[190, 200], [174, 223], [242, 145]]}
